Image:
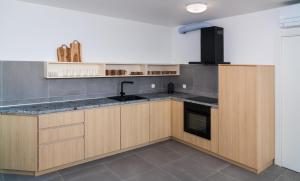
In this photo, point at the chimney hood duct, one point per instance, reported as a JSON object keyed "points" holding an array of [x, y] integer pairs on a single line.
{"points": [[193, 27]]}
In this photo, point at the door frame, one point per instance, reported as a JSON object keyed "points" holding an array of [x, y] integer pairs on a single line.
{"points": [[279, 74]]}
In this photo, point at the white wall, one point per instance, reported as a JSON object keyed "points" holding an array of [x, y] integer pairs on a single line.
{"points": [[249, 39], [33, 32]]}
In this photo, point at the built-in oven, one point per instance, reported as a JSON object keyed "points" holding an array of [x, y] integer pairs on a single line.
{"points": [[197, 119]]}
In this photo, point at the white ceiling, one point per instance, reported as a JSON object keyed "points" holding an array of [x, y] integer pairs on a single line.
{"points": [[165, 12]]}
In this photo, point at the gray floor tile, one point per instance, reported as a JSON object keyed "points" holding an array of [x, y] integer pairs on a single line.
{"points": [[67, 171], [179, 148], [273, 172], [112, 158], [129, 166], [154, 175], [220, 177], [159, 155], [12, 177], [188, 169], [289, 175], [1, 176], [55, 176], [242, 174], [209, 161], [92, 174]]}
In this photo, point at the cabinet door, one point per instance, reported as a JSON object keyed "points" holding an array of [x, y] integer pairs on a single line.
{"points": [[102, 131], [160, 120], [237, 125], [60, 153], [18, 143], [177, 119], [134, 124]]}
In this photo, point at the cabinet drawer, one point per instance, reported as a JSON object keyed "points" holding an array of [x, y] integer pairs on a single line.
{"points": [[61, 133], [57, 154], [61, 119]]}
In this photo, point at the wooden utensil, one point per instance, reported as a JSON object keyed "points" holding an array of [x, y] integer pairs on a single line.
{"points": [[63, 54], [75, 51]]}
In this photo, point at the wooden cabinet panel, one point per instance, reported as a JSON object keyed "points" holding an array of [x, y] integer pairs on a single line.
{"points": [[160, 120], [57, 154], [244, 91], [134, 124], [61, 133], [197, 141], [18, 143], [214, 147], [238, 114], [102, 131], [177, 119], [61, 119]]}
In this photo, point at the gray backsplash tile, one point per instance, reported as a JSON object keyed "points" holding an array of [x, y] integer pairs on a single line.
{"points": [[199, 79], [24, 83], [67, 87], [1, 82], [23, 80], [102, 85]]}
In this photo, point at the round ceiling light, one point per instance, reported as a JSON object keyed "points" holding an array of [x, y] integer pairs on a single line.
{"points": [[196, 7]]}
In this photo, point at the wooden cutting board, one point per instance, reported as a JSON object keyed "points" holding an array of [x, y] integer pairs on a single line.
{"points": [[63, 54], [75, 51]]}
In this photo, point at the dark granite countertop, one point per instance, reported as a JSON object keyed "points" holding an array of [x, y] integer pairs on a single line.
{"points": [[45, 108]]}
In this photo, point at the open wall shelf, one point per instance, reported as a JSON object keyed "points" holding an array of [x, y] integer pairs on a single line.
{"points": [[54, 70]]}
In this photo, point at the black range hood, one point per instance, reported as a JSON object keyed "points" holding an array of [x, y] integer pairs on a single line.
{"points": [[212, 46]]}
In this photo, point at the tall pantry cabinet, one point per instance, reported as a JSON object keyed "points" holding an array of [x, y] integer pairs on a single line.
{"points": [[246, 115]]}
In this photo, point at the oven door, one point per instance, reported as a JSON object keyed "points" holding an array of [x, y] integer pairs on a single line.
{"points": [[197, 120]]}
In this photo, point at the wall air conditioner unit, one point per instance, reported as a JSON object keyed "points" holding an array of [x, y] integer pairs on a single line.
{"points": [[290, 22]]}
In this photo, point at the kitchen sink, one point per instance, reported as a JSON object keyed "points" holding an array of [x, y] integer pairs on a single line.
{"points": [[127, 98]]}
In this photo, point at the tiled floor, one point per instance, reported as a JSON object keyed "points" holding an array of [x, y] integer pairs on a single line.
{"points": [[167, 161]]}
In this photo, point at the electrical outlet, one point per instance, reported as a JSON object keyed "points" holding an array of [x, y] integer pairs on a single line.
{"points": [[153, 86], [184, 86]]}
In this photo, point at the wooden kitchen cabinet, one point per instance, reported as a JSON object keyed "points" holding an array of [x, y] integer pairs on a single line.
{"points": [[18, 143], [177, 119], [61, 139], [60, 153], [160, 120], [246, 114], [135, 126], [102, 131]]}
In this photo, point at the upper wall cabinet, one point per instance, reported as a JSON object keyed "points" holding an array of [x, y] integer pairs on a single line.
{"points": [[54, 70]]}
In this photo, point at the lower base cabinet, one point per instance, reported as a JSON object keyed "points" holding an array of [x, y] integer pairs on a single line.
{"points": [[18, 143], [160, 119], [102, 131], [57, 154], [54, 141], [177, 119], [135, 126]]}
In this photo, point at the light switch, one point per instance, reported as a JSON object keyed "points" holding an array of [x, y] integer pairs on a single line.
{"points": [[184, 86], [153, 86]]}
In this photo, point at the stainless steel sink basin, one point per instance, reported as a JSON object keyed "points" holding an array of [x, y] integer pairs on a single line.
{"points": [[127, 98]]}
